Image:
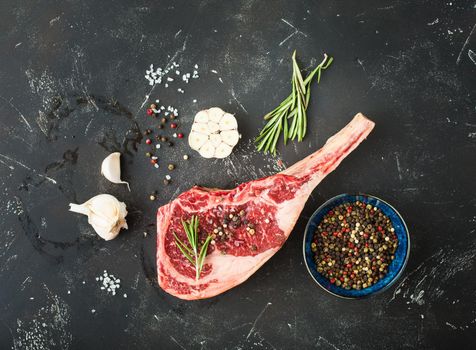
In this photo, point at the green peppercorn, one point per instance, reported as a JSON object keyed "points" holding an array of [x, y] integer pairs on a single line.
{"points": [[171, 167]]}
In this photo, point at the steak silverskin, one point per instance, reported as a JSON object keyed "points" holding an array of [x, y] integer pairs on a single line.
{"points": [[249, 223]]}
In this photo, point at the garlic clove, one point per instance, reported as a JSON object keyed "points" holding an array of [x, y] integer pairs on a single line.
{"points": [[201, 117], [197, 140], [105, 214], [215, 114], [111, 169], [207, 150], [228, 122], [223, 150]]}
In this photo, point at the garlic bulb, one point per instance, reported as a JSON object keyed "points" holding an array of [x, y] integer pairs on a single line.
{"points": [[214, 133], [111, 169], [105, 214]]}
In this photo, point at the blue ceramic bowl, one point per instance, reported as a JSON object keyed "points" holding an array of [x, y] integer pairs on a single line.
{"points": [[397, 265]]}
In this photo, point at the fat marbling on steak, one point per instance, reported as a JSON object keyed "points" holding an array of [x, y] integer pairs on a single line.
{"points": [[271, 206]]}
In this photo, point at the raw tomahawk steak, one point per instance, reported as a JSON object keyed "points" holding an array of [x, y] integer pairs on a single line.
{"points": [[265, 211]]}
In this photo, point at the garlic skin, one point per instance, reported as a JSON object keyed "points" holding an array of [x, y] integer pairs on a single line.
{"points": [[111, 169], [105, 214]]}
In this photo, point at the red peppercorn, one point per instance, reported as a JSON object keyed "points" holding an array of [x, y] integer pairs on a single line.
{"points": [[173, 125], [150, 111], [333, 280], [153, 161], [349, 265], [180, 135], [148, 141]]}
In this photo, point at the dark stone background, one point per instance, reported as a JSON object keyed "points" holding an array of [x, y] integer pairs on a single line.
{"points": [[72, 89]]}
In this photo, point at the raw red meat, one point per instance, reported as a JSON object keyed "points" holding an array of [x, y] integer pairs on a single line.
{"points": [[271, 205]]}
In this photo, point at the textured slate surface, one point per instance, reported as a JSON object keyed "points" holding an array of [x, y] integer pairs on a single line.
{"points": [[72, 89]]}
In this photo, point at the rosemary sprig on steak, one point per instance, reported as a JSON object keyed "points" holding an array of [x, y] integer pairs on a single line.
{"points": [[191, 250], [293, 107]]}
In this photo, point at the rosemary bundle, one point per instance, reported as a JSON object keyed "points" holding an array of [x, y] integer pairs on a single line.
{"points": [[191, 250], [293, 108]]}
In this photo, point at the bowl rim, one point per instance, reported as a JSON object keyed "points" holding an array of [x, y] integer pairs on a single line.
{"points": [[400, 271]]}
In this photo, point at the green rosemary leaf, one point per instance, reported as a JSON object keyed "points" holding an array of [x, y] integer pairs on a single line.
{"points": [[184, 249], [201, 257]]}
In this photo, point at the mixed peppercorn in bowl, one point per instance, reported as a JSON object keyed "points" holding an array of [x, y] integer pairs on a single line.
{"points": [[355, 245]]}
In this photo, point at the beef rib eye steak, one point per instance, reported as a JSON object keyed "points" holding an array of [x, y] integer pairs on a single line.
{"points": [[249, 223]]}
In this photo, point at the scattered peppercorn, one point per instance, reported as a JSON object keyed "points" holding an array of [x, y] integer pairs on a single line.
{"points": [[153, 161], [163, 120], [148, 154], [152, 197], [160, 126], [173, 125], [353, 245], [185, 157], [153, 106], [171, 167], [180, 135], [172, 116], [163, 139], [148, 141], [170, 144], [166, 182], [150, 111]]}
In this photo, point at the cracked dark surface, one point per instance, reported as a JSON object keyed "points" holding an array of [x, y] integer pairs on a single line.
{"points": [[72, 90]]}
